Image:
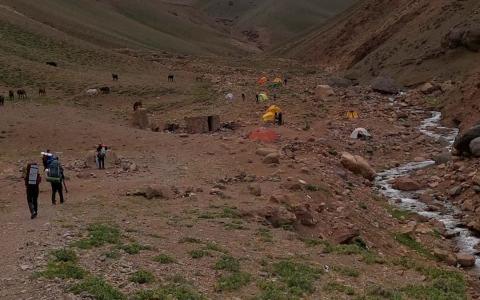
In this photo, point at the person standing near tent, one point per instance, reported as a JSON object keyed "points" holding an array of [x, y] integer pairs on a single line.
{"points": [[257, 97], [56, 177], [101, 154], [32, 183], [285, 81]]}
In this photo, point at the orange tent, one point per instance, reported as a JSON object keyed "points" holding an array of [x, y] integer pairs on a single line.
{"points": [[262, 80]]}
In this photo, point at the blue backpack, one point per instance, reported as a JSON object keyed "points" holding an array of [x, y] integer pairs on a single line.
{"points": [[54, 173]]}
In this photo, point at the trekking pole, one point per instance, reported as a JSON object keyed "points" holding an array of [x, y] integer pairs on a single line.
{"points": [[65, 186]]}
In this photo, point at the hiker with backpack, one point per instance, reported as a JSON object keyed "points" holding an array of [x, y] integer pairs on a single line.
{"points": [[46, 158], [56, 177], [101, 154], [32, 183]]}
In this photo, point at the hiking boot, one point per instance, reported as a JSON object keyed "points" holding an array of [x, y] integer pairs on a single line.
{"points": [[33, 216]]}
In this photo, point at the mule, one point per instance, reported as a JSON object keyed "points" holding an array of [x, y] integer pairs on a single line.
{"points": [[114, 77], [2, 100], [105, 90], [11, 95], [171, 78], [22, 94], [137, 105], [42, 91], [52, 63]]}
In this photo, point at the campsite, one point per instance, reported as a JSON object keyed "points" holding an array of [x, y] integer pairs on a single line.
{"points": [[235, 168]]}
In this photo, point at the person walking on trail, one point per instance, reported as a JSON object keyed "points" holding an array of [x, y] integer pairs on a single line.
{"points": [[101, 154], [56, 177], [46, 159], [243, 96], [32, 183]]}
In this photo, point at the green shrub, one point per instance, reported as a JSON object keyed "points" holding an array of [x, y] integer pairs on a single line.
{"points": [[142, 277]]}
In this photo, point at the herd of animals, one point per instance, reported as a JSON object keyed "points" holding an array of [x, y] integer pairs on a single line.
{"points": [[22, 94]]}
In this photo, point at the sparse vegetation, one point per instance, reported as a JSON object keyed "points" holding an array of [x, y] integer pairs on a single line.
{"points": [[134, 248], [228, 263], [233, 282], [65, 255], [347, 271], [177, 291], [164, 259], [99, 235], [142, 277], [410, 242], [62, 270], [338, 287], [198, 253], [98, 288]]}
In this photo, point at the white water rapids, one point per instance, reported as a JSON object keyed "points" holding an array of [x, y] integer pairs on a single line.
{"points": [[408, 200]]}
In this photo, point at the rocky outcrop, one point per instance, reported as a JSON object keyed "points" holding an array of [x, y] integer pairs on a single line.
{"points": [[358, 165], [462, 142], [466, 37], [385, 85]]}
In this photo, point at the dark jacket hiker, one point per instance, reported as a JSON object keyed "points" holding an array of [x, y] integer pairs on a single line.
{"points": [[32, 181], [55, 176]]}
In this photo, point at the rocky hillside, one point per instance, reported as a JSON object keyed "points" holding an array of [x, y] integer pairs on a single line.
{"points": [[412, 41]]}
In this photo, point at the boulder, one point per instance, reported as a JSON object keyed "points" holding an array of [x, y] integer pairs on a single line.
{"points": [[149, 192], [385, 85], [406, 184], [324, 92], [462, 142], [428, 88], [272, 158], [345, 235], [280, 216], [466, 37], [445, 256], [255, 189], [475, 147], [340, 82], [358, 165], [442, 158], [465, 260], [306, 216], [265, 151], [140, 118]]}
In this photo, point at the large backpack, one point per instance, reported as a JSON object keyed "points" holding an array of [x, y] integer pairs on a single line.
{"points": [[54, 173], [33, 174], [102, 153]]}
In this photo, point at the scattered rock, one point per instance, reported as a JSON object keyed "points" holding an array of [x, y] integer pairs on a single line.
{"points": [[255, 189], [345, 235], [465, 260], [455, 191], [406, 184], [358, 165], [265, 151], [324, 92], [475, 147], [442, 158], [150, 192], [385, 85], [280, 216], [272, 158], [462, 142]]}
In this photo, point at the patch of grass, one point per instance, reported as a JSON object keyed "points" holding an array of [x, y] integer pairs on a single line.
{"points": [[99, 235], [173, 291], [357, 248], [338, 287], [65, 255], [113, 254], [98, 288], [233, 282], [346, 271], [190, 240], [273, 291], [235, 225], [298, 277], [164, 259], [400, 214], [62, 270], [134, 248], [265, 235], [198, 253], [228, 263], [313, 242], [410, 242], [142, 277], [215, 247]]}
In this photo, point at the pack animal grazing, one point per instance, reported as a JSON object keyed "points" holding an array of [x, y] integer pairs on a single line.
{"points": [[137, 105], [11, 95], [2, 100], [92, 92], [105, 90], [114, 77], [171, 78], [22, 94], [42, 91], [52, 63]]}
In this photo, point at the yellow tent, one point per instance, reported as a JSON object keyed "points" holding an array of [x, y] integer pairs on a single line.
{"points": [[269, 115], [262, 97], [262, 80], [278, 80], [352, 115]]}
